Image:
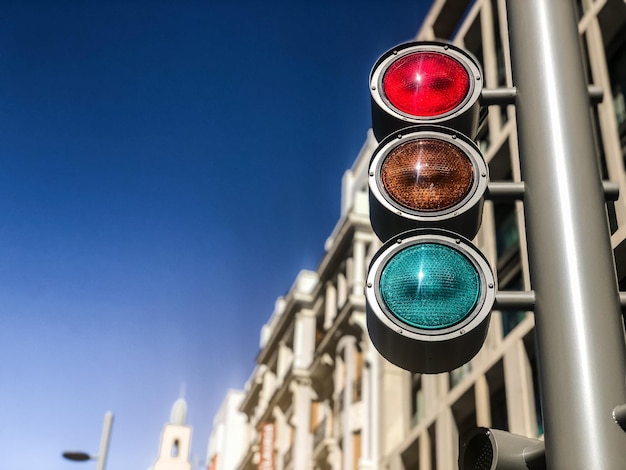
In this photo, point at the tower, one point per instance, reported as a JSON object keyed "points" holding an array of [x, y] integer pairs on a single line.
{"points": [[175, 441]]}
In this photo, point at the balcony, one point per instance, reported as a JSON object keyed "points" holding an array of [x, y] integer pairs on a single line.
{"points": [[248, 461]]}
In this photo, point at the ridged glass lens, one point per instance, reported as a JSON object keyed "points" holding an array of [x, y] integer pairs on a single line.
{"points": [[426, 84], [427, 175], [430, 286]]}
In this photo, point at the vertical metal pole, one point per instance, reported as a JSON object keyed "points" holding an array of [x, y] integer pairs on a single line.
{"points": [[580, 340], [104, 440]]}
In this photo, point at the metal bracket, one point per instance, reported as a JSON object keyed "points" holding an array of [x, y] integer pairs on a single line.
{"points": [[504, 96], [515, 300], [514, 191]]}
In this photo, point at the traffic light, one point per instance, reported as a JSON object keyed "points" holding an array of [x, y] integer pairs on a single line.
{"points": [[429, 291], [425, 83], [493, 449], [426, 176]]}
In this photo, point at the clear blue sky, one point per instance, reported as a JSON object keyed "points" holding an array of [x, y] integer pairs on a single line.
{"points": [[166, 169]]}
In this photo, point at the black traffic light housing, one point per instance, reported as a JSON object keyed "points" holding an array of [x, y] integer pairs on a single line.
{"points": [[427, 181], [493, 449]]}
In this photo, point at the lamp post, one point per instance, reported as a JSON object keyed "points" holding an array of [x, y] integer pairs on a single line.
{"points": [[101, 458]]}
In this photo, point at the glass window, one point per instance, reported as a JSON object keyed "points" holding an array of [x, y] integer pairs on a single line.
{"points": [[507, 232], [482, 139], [457, 375], [451, 17], [473, 40], [617, 73], [499, 416], [497, 399], [417, 400], [464, 412], [500, 59], [529, 344], [512, 318], [595, 121]]}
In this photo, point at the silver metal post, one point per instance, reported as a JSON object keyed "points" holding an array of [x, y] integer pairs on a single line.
{"points": [[104, 440], [580, 340]]}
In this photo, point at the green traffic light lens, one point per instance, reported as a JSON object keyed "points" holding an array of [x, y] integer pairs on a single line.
{"points": [[430, 286]]}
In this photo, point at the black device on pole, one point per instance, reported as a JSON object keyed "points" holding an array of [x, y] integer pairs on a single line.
{"points": [[429, 291]]}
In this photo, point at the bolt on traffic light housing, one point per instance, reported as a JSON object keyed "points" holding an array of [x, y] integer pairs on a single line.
{"points": [[426, 176], [429, 297], [493, 449], [425, 83]]}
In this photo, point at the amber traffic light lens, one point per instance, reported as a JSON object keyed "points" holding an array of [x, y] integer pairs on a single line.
{"points": [[427, 175]]}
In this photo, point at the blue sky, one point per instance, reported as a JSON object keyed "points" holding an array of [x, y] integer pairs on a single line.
{"points": [[166, 169]]}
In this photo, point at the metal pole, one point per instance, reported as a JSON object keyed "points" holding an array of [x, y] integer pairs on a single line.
{"points": [[104, 440], [580, 342]]}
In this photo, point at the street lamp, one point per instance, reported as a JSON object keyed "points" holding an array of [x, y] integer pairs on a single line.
{"points": [[101, 458]]}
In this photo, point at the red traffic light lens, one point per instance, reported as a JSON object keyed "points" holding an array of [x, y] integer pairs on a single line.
{"points": [[426, 84], [427, 175]]}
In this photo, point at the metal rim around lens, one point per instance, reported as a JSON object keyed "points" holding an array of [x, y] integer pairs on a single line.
{"points": [[464, 144], [420, 236], [380, 68]]}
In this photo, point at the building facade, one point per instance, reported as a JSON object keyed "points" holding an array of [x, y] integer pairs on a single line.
{"points": [[321, 397], [226, 447]]}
